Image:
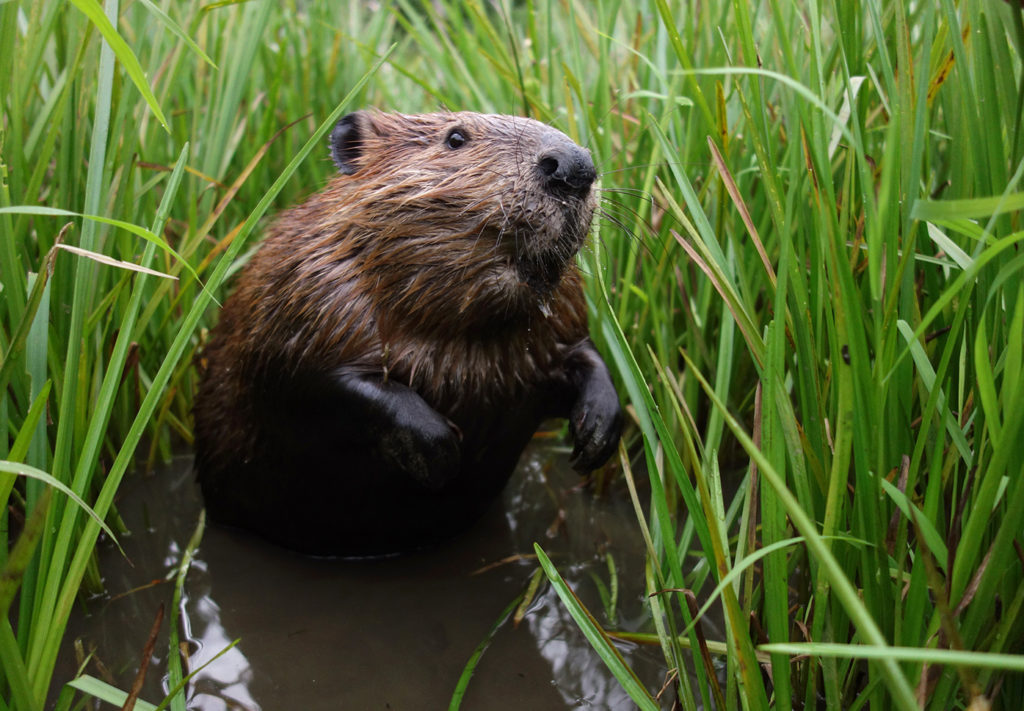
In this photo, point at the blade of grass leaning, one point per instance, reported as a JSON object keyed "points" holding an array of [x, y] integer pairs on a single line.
{"points": [[111, 262], [474, 658], [129, 227], [927, 375], [951, 657], [736, 571], [597, 637], [106, 692], [25, 470], [714, 647], [175, 691], [28, 314], [163, 291], [928, 530], [125, 55], [734, 193], [20, 447], [967, 208], [175, 29], [966, 277]]}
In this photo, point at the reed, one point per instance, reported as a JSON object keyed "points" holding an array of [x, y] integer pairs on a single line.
{"points": [[806, 278]]}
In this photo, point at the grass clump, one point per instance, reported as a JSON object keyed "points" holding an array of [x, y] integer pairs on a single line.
{"points": [[808, 265]]}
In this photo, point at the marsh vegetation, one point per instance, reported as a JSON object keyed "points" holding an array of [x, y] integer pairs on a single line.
{"points": [[808, 263]]}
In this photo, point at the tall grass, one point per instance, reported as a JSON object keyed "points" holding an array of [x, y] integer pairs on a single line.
{"points": [[808, 262], [114, 346]]}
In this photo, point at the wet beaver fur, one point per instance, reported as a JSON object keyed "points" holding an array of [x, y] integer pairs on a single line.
{"points": [[397, 339]]}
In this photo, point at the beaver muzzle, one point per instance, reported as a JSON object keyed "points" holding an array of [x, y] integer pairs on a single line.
{"points": [[556, 227]]}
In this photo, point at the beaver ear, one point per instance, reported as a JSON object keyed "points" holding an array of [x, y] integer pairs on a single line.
{"points": [[347, 142]]}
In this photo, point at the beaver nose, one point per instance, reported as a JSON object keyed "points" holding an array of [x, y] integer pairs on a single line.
{"points": [[567, 168]]}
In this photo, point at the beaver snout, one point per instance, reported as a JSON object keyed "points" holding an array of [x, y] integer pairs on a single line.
{"points": [[567, 168]]}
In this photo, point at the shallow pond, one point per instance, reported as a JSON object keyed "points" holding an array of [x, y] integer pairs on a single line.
{"points": [[384, 634]]}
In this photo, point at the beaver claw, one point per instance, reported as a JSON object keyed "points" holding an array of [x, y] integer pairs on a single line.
{"points": [[596, 424]]}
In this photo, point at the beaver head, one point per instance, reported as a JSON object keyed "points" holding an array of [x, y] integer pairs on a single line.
{"points": [[472, 213]]}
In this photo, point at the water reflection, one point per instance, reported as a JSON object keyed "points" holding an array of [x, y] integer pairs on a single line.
{"points": [[224, 682], [390, 634], [578, 674]]}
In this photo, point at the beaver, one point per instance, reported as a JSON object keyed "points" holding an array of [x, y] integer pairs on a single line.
{"points": [[397, 339]]}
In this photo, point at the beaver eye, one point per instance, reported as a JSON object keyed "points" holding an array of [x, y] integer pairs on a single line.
{"points": [[456, 139]]}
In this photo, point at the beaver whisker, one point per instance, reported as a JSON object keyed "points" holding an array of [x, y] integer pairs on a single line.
{"points": [[614, 210], [608, 200], [609, 217], [613, 206], [634, 238], [505, 224], [631, 192]]}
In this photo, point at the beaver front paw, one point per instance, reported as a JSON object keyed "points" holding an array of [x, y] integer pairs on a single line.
{"points": [[596, 425], [422, 444]]}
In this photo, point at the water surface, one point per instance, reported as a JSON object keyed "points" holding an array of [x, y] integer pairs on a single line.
{"points": [[384, 634]]}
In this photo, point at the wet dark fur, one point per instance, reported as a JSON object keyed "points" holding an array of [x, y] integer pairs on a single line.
{"points": [[397, 339]]}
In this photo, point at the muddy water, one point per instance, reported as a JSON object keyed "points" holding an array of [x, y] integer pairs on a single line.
{"points": [[385, 634]]}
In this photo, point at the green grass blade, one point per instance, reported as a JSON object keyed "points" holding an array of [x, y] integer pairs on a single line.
{"points": [[597, 637], [478, 652], [112, 378], [22, 697], [174, 675], [967, 208], [25, 470], [125, 55], [952, 657], [106, 692], [27, 317], [175, 692], [21, 553], [175, 29], [142, 232]]}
